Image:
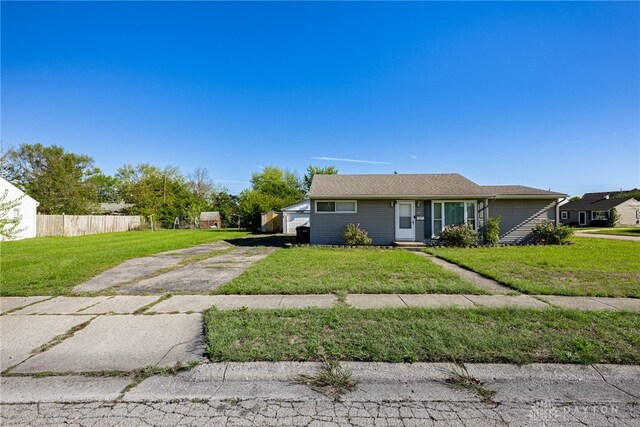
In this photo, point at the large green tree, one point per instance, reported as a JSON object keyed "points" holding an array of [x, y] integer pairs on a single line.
{"points": [[317, 170], [161, 192], [271, 189], [61, 181]]}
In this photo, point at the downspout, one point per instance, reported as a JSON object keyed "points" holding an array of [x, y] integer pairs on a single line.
{"points": [[557, 221]]}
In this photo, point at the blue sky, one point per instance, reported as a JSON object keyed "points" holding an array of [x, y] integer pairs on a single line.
{"points": [[540, 94]]}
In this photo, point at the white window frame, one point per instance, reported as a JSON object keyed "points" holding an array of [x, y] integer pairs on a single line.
{"points": [[355, 207], [564, 215], [442, 218], [606, 216]]}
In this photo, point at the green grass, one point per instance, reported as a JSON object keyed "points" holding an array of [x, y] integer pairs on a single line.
{"points": [[54, 265], [630, 231], [591, 267], [356, 270], [505, 335]]}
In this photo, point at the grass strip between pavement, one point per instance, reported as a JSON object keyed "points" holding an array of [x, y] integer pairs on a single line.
{"points": [[481, 335]]}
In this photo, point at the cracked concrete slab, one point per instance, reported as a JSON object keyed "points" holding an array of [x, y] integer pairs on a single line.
{"points": [[302, 301], [60, 389], [374, 300], [22, 334], [10, 303], [124, 343], [580, 303], [523, 301], [202, 276], [120, 304], [61, 305], [197, 303], [197, 250], [435, 300], [128, 271], [632, 304]]}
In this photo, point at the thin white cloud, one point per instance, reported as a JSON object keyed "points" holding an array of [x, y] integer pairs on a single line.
{"points": [[414, 157], [340, 159], [596, 137]]}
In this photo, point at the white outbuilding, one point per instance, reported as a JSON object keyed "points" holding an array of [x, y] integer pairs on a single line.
{"points": [[296, 215], [26, 210]]}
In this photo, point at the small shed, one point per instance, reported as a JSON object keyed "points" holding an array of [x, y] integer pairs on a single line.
{"points": [[25, 210], [210, 220], [296, 215], [271, 222]]}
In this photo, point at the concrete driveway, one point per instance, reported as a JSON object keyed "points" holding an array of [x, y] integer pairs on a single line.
{"points": [[198, 269]]}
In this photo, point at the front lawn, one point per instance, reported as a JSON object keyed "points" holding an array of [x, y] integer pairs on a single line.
{"points": [[622, 231], [360, 270], [54, 265], [591, 267], [483, 335]]}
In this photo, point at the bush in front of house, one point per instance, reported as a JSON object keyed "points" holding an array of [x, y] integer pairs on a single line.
{"points": [[355, 235], [459, 235], [614, 218], [492, 231], [546, 233]]}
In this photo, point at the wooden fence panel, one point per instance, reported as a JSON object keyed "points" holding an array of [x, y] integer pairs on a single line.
{"points": [[79, 225]]}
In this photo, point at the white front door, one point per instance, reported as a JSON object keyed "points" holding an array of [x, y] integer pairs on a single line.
{"points": [[405, 220]]}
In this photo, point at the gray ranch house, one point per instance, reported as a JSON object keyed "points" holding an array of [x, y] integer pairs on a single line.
{"points": [[416, 207], [594, 209]]}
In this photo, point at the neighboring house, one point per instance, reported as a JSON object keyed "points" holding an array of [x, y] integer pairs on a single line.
{"points": [[114, 208], [416, 207], [595, 209], [210, 220], [26, 210], [295, 215]]}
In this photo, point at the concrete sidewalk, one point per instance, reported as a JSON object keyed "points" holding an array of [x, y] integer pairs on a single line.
{"points": [[19, 306], [419, 394], [590, 233]]}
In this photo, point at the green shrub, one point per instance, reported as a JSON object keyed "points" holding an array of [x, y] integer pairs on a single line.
{"points": [[546, 233], [353, 234], [492, 231], [459, 235], [614, 218]]}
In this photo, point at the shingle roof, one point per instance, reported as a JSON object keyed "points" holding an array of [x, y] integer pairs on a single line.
{"points": [[393, 185], [209, 216], [519, 190], [597, 201]]}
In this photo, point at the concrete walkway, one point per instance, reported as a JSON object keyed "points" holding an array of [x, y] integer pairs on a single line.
{"points": [[150, 304], [485, 283], [261, 394], [124, 333]]}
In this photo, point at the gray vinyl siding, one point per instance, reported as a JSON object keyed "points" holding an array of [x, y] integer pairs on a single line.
{"points": [[629, 212], [573, 217], [518, 217], [375, 216]]}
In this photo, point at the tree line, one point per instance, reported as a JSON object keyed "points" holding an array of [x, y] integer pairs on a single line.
{"points": [[69, 183]]}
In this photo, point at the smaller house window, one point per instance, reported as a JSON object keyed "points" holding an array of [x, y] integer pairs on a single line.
{"points": [[340, 206], [564, 215], [16, 213], [599, 215]]}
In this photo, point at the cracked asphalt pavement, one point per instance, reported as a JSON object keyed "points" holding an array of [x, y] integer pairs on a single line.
{"points": [[258, 412]]}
